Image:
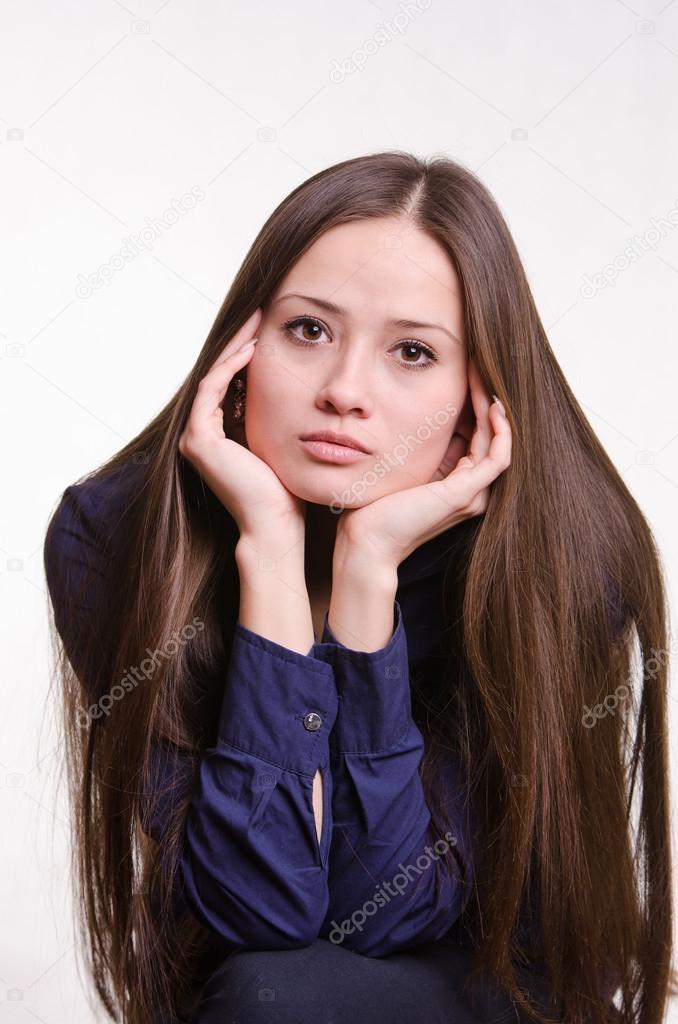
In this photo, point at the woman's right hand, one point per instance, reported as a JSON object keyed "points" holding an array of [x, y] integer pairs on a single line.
{"points": [[245, 484]]}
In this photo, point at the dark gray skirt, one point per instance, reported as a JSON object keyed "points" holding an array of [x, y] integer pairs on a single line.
{"points": [[329, 984]]}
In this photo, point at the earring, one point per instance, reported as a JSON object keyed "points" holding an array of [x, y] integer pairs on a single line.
{"points": [[239, 400]]}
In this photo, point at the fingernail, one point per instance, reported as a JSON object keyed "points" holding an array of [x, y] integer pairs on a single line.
{"points": [[500, 404]]}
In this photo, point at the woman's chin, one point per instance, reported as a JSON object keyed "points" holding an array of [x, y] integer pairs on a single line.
{"points": [[336, 495]]}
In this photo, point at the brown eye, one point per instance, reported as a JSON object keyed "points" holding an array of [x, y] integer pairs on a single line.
{"points": [[417, 349], [316, 328], [305, 323], [313, 328]]}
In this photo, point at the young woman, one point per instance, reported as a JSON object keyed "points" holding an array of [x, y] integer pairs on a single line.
{"points": [[358, 726]]}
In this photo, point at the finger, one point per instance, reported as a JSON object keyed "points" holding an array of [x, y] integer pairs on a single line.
{"points": [[456, 450], [241, 337], [480, 475], [213, 387]]}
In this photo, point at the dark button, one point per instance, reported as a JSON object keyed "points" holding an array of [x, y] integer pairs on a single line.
{"points": [[312, 721]]}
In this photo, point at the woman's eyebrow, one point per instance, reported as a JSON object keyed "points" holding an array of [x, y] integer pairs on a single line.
{"points": [[338, 311]]}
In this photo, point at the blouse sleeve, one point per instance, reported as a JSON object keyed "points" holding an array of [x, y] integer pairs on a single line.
{"points": [[389, 884], [251, 866]]}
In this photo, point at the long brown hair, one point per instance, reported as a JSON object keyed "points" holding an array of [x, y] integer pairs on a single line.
{"points": [[528, 641]]}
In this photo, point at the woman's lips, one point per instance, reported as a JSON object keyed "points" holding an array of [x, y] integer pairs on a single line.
{"points": [[327, 451]]}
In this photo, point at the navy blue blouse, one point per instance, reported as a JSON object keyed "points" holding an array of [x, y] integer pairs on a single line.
{"points": [[252, 869]]}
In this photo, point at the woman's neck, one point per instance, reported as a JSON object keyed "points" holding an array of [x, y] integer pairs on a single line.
{"points": [[321, 530]]}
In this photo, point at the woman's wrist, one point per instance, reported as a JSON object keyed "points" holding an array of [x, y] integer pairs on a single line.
{"points": [[362, 602], [353, 562], [274, 598], [257, 550]]}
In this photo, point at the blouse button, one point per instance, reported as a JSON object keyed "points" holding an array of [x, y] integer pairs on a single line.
{"points": [[312, 721]]}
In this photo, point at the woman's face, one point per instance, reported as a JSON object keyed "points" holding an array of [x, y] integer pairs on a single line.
{"points": [[397, 389]]}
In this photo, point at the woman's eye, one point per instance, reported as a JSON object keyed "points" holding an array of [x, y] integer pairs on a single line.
{"points": [[291, 325], [315, 328], [416, 348]]}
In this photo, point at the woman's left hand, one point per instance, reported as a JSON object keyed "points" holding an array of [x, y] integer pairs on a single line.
{"points": [[391, 528]]}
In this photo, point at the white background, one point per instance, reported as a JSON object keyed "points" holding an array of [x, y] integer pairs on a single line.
{"points": [[109, 111]]}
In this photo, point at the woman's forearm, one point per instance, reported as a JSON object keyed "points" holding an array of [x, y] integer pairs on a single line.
{"points": [[274, 602], [362, 601], [274, 598]]}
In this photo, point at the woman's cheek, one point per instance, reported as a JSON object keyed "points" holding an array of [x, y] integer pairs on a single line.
{"points": [[411, 459]]}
